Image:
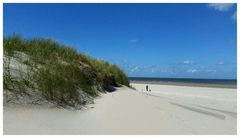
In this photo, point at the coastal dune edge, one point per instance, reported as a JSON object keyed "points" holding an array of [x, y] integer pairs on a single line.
{"points": [[167, 109]]}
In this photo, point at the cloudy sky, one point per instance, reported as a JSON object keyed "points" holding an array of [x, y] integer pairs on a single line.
{"points": [[145, 40]]}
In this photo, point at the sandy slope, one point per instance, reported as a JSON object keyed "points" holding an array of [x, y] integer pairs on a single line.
{"points": [[166, 110]]}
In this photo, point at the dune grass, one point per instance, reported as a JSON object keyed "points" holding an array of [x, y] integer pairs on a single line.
{"points": [[60, 72]]}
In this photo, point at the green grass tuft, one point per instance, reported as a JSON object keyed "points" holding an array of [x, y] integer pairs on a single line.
{"points": [[61, 72]]}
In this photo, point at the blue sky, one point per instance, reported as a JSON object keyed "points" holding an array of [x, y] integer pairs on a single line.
{"points": [[145, 40]]}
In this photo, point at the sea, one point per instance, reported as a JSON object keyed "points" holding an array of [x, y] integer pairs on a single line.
{"points": [[219, 83]]}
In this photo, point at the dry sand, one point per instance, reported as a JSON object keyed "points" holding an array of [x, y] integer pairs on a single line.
{"points": [[166, 110]]}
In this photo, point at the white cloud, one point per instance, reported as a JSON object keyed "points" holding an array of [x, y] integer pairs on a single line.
{"points": [[166, 71], [221, 6], [192, 70], [145, 68], [133, 40], [221, 63], [234, 16], [135, 69], [211, 71], [153, 70], [187, 62]]}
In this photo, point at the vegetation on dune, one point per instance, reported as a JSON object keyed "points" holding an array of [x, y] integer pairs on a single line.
{"points": [[58, 72]]}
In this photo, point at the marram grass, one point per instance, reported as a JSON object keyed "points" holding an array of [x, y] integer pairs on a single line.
{"points": [[59, 72]]}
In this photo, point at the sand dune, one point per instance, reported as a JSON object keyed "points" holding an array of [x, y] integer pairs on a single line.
{"points": [[166, 110]]}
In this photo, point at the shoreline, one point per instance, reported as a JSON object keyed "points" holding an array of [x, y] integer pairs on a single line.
{"points": [[229, 86]]}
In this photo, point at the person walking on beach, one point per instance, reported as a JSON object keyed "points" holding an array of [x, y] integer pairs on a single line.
{"points": [[146, 87]]}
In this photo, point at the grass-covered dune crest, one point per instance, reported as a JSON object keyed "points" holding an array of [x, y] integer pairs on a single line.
{"points": [[53, 72]]}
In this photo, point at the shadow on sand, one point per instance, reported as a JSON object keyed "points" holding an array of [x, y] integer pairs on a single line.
{"points": [[219, 116]]}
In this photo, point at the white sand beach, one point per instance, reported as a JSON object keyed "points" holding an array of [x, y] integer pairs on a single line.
{"points": [[166, 110]]}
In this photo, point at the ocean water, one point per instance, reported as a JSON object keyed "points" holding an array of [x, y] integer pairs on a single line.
{"points": [[224, 83]]}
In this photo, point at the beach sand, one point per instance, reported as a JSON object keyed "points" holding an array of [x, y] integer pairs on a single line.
{"points": [[165, 110]]}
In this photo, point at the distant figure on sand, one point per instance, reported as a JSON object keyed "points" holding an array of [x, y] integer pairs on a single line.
{"points": [[146, 87]]}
